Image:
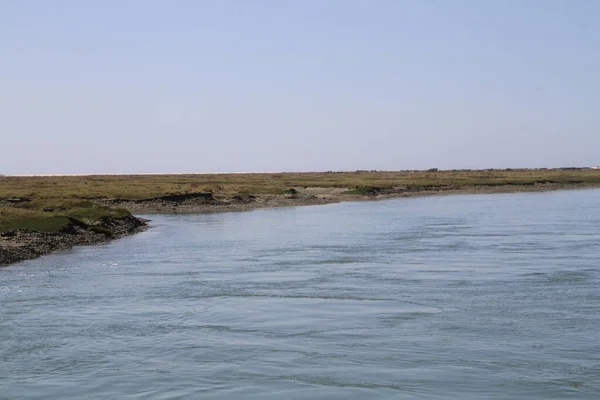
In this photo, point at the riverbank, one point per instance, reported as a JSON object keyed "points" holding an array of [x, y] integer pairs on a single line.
{"points": [[25, 244], [40, 215], [206, 203]]}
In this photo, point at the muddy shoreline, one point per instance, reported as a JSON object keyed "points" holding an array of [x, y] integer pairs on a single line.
{"points": [[206, 203], [20, 245]]}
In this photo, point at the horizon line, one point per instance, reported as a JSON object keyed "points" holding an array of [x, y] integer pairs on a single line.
{"points": [[288, 172]]}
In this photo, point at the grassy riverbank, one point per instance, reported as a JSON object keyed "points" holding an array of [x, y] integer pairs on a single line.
{"points": [[33, 227], [136, 187], [54, 218], [41, 214], [47, 203]]}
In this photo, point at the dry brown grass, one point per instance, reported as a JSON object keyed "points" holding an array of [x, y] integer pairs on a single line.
{"points": [[147, 186], [59, 194]]}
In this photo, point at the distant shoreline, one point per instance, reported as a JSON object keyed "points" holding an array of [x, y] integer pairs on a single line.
{"points": [[305, 198], [41, 215], [287, 172]]}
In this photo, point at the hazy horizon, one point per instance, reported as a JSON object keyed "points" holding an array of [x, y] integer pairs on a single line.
{"points": [[268, 86], [282, 172]]}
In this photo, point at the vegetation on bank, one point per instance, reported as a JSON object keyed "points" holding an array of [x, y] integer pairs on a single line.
{"points": [[52, 216], [53, 204]]}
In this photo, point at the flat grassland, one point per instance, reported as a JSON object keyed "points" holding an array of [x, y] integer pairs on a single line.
{"points": [[47, 203]]}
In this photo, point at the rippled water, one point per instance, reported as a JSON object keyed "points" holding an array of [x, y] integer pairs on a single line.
{"points": [[489, 296]]}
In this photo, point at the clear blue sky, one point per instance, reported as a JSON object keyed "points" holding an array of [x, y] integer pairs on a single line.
{"points": [[282, 85]]}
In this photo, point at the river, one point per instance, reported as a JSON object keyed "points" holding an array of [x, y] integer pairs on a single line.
{"points": [[466, 296]]}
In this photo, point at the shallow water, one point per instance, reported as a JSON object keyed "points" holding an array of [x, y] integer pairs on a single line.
{"points": [[476, 296]]}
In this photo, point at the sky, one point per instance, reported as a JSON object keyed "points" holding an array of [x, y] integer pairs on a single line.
{"points": [[147, 86]]}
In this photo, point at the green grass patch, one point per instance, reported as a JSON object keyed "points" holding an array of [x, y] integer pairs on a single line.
{"points": [[49, 218], [92, 215], [49, 224]]}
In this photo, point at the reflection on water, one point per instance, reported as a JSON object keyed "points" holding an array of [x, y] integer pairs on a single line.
{"points": [[490, 296]]}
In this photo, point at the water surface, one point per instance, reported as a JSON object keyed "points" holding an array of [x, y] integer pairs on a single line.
{"points": [[487, 296]]}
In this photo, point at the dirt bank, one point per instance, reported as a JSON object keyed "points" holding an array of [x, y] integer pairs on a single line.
{"points": [[18, 245], [205, 203]]}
